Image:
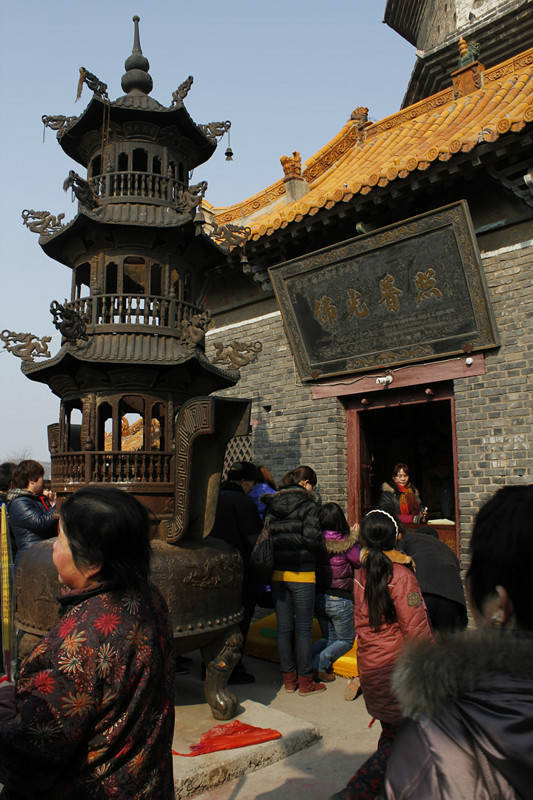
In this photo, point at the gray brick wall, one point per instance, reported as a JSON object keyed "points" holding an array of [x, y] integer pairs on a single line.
{"points": [[494, 416], [296, 429]]}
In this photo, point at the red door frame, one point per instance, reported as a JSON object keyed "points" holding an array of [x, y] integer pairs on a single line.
{"points": [[358, 404]]}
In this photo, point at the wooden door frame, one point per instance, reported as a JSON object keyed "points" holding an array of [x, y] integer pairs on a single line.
{"points": [[358, 404]]}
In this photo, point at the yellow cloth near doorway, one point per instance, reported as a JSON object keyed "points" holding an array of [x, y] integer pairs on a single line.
{"points": [[261, 643]]}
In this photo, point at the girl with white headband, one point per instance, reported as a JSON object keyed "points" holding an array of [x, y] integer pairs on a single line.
{"points": [[388, 609]]}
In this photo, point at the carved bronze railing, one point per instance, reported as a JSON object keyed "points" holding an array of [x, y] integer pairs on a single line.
{"points": [[140, 466], [118, 186], [136, 310]]}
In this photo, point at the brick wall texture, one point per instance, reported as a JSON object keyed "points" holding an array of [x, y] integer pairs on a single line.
{"points": [[296, 430], [493, 412]]}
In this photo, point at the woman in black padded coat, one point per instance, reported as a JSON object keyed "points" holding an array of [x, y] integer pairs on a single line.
{"points": [[292, 514]]}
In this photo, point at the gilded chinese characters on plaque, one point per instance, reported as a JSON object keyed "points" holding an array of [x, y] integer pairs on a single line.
{"points": [[414, 291]]}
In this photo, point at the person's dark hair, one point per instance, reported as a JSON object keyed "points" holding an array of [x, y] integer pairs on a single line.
{"points": [[6, 475], [243, 471], [428, 530], [27, 471], [397, 467], [502, 551], [302, 473], [267, 477], [109, 527], [331, 517], [378, 533], [389, 503]]}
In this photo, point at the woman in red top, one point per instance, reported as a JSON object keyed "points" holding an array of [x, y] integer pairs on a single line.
{"points": [[388, 610], [408, 502]]}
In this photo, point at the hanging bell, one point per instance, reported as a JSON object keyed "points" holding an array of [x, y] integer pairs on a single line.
{"points": [[229, 153], [245, 264]]}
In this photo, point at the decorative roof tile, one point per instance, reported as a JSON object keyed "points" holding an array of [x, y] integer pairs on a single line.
{"points": [[357, 161]]}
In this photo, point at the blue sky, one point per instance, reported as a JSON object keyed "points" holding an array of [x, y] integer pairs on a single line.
{"points": [[287, 73]]}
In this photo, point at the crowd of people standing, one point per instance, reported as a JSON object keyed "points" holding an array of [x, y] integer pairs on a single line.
{"points": [[93, 710], [395, 587]]}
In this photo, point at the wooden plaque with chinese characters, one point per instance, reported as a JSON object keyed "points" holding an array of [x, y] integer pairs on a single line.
{"points": [[414, 291]]}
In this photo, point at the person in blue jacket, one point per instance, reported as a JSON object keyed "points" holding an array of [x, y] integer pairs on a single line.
{"points": [[29, 519], [264, 484]]}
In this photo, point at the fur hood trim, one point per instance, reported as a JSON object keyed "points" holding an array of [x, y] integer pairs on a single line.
{"points": [[12, 494], [396, 556], [429, 676], [339, 546], [386, 487], [291, 490]]}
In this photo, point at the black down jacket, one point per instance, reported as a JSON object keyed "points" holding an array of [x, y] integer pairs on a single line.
{"points": [[292, 514]]}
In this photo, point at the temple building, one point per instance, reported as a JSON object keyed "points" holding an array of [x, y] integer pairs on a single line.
{"points": [[381, 309]]}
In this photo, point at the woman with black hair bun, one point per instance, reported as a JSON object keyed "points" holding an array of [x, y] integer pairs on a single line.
{"points": [[292, 516], [92, 711], [388, 610], [470, 696]]}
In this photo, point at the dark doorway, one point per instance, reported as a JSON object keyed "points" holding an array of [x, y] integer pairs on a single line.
{"points": [[420, 435], [413, 424]]}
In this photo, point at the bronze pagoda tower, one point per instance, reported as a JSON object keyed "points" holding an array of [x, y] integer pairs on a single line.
{"points": [[133, 343], [132, 332]]}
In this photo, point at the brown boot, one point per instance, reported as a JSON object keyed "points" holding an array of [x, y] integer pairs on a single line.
{"points": [[327, 677], [307, 685], [290, 681]]}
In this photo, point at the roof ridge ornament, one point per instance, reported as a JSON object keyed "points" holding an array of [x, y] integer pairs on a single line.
{"points": [[80, 189], [468, 77], [58, 123], [42, 222], [292, 166], [137, 79], [468, 53], [215, 130], [93, 82], [26, 346], [179, 95]]}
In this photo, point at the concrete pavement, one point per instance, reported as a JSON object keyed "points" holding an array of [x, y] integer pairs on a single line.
{"points": [[331, 734]]}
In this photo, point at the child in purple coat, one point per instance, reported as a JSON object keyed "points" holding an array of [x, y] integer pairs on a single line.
{"points": [[334, 590]]}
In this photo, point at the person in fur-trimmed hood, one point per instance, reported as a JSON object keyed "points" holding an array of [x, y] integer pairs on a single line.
{"points": [[334, 590], [470, 698], [409, 506], [388, 611]]}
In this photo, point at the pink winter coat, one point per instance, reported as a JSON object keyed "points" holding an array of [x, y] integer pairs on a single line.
{"points": [[378, 651]]}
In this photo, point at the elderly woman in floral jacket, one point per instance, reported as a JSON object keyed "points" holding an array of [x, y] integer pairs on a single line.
{"points": [[92, 712]]}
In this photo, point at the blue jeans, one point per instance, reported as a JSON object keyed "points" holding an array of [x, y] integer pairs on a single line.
{"points": [[294, 603], [335, 615]]}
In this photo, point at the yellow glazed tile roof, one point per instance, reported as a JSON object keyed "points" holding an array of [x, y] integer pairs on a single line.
{"points": [[356, 161]]}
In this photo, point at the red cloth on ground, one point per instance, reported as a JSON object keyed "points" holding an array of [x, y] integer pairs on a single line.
{"points": [[229, 736]]}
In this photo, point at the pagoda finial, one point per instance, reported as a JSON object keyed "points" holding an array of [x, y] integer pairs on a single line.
{"points": [[137, 78], [136, 37]]}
